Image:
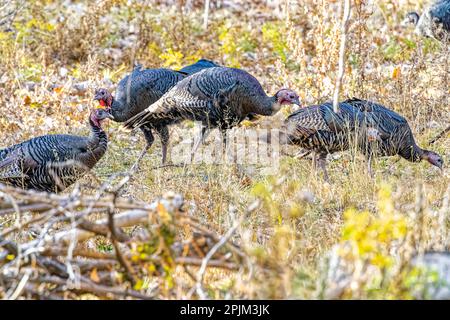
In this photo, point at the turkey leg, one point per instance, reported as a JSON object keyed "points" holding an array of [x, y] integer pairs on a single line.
{"points": [[224, 143], [163, 133], [320, 161], [149, 138], [204, 133]]}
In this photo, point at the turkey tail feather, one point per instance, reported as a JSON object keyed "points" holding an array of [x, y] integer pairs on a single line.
{"points": [[138, 120]]}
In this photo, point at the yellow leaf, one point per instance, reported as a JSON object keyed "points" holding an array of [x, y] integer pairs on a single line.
{"points": [[396, 73], [165, 216], [151, 268], [246, 123], [172, 58], [94, 275], [139, 284], [143, 256]]}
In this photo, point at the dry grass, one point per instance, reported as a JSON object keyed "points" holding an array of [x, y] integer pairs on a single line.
{"points": [[50, 68]]}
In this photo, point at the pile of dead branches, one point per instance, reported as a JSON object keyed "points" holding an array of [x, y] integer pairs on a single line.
{"points": [[50, 245]]}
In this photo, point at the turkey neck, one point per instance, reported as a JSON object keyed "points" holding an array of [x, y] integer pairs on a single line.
{"points": [[97, 142], [118, 111], [265, 105], [413, 153]]}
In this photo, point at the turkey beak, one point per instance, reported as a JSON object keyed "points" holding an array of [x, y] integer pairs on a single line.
{"points": [[109, 115], [297, 101]]}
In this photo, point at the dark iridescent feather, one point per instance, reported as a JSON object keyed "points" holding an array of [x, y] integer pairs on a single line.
{"points": [[218, 97], [318, 128], [53, 162], [435, 21], [395, 134], [199, 66]]}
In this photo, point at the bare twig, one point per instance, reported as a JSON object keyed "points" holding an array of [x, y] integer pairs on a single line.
{"points": [[341, 71], [9, 16], [440, 135], [120, 257], [206, 15], [94, 288], [201, 272], [20, 286], [56, 257]]}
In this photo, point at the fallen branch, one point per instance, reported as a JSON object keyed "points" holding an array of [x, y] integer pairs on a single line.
{"points": [[93, 288], [54, 264], [222, 241]]}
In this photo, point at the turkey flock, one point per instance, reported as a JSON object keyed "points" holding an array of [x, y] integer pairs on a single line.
{"points": [[219, 97], [434, 21]]}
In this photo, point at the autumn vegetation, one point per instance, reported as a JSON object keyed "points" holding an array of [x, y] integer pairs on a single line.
{"points": [[287, 222]]}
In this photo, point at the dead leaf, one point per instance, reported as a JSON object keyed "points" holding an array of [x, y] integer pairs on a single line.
{"points": [[27, 100], [396, 73], [94, 275], [58, 90]]}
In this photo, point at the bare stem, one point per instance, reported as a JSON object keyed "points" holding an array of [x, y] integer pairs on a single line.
{"points": [[344, 28]]}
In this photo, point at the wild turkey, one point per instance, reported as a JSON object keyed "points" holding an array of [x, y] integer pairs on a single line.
{"points": [[434, 22], [395, 135], [373, 128], [141, 88], [219, 97], [319, 130], [199, 66], [53, 162]]}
